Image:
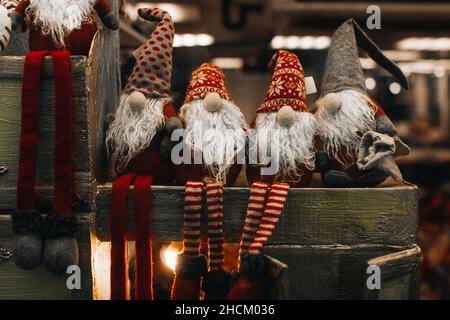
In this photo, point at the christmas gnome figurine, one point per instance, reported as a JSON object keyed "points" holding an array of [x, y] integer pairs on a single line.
{"points": [[345, 112], [145, 118], [215, 129], [139, 145], [284, 126], [215, 135], [63, 24]]}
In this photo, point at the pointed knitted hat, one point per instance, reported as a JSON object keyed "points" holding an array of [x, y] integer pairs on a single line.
{"points": [[153, 70], [206, 79], [287, 87], [343, 69]]}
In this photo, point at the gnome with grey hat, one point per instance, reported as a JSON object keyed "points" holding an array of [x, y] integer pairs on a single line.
{"points": [[345, 113]]}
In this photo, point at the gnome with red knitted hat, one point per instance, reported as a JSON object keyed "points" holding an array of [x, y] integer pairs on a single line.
{"points": [[137, 142], [284, 126], [145, 115], [345, 113], [63, 24], [215, 135]]}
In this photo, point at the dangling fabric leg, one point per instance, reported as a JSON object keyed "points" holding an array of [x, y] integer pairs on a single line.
{"points": [[191, 266], [217, 282], [61, 247], [26, 220], [143, 244], [119, 197], [249, 285]]}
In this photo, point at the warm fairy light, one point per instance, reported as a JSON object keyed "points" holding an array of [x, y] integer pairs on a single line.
{"points": [[170, 255]]}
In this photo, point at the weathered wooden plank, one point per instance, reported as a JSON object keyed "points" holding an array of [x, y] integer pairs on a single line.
{"points": [[10, 118], [399, 272], [40, 283], [104, 83], [334, 272], [311, 216]]}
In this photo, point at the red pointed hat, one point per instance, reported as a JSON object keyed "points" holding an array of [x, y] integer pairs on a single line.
{"points": [[153, 70], [206, 79], [288, 84]]}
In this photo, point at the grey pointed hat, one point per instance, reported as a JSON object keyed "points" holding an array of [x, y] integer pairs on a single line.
{"points": [[343, 69]]}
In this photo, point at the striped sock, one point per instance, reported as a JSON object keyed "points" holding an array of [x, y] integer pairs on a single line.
{"points": [[255, 208], [214, 201], [271, 215], [192, 218]]}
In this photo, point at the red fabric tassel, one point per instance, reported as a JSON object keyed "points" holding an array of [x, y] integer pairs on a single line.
{"points": [[29, 131], [62, 201], [144, 263], [119, 197]]}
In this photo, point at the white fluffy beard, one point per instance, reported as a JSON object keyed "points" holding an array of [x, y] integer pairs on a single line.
{"points": [[58, 18], [341, 132], [219, 137], [131, 132], [293, 146]]}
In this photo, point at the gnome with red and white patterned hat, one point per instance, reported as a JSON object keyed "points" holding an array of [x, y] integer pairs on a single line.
{"points": [[284, 127], [137, 132], [216, 133], [215, 128]]}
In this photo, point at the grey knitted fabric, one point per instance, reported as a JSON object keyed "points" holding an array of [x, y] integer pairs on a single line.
{"points": [[343, 69]]}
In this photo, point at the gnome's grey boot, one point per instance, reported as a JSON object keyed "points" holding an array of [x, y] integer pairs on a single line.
{"points": [[27, 249], [337, 179], [373, 177], [61, 246]]}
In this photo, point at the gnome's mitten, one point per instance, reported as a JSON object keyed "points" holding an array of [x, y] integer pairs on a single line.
{"points": [[27, 227], [385, 125], [110, 21], [372, 177], [61, 246], [337, 179], [191, 266], [249, 285]]}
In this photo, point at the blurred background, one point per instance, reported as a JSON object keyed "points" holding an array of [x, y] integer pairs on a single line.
{"points": [[241, 35]]}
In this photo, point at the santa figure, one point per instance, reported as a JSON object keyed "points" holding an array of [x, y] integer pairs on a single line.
{"points": [[345, 112], [138, 143], [63, 24], [282, 148], [214, 141]]}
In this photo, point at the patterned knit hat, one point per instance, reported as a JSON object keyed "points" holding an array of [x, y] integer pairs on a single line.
{"points": [[153, 70], [206, 79], [288, 84]]}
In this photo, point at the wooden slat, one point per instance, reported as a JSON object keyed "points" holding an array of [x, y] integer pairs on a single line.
{"points": [[334, 272], [399, 273], [40, 283], [311, 216]]}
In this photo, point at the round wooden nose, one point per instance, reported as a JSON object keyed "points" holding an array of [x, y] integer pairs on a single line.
{"points": [[286, 116], [136, 101], [212, 102]]}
